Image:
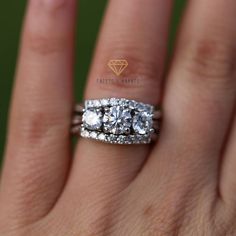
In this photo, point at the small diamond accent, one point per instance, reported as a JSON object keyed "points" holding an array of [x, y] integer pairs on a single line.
{"points": [[85, 133], [87, 104], [93, 135], [132, 104], [122, 102], [114, 101], [121, 139], [102, 137], [105, 102], [140, 107], [96, 103]]}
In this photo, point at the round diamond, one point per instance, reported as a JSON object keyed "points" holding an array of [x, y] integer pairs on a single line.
{"points": [[121, 139], [113, 137], [96, 103], [102, 137], [88, 103], [92, 119], [141, 107], [85, 133], [114, 101], [132, 104], [93, 135], [105, 102], [117, 120], [122, 102], [142, 122]]}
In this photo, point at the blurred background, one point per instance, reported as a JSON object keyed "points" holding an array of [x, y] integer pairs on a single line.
{"points": [[89, 18]]}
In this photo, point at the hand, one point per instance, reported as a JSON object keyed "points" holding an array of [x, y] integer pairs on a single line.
{"points": [[184, 185]]}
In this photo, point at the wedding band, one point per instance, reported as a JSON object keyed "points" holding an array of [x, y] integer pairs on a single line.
{"points": [[116, 121]]}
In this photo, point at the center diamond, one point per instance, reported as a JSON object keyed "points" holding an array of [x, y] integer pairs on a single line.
{"points": [[117, 120]]}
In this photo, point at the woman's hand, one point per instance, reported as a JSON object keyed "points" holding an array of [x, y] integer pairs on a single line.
{"points": [[184, 185]]}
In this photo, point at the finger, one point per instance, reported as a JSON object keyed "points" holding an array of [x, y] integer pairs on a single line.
{"points": [[228, 176], [137, 32], [38, 148], [200, 92]]}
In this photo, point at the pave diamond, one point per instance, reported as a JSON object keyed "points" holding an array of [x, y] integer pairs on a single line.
{"points": [[114, 101], [93, 135], [96, 103], [105, 102], [102, 137], [84, 133], [92, 119], [142, 122], [117, 120]]}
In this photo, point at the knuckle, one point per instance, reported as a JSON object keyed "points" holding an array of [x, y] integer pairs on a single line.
{"points": [[38, 125], [140, 74], [44, 43], [213, 59], [163, 222], [178, 224]]}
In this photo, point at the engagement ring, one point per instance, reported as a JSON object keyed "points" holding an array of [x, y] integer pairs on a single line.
{"points": [[117, 121]]}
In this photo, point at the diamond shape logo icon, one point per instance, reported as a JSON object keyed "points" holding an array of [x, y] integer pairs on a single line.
{"points": [[118, 66]]}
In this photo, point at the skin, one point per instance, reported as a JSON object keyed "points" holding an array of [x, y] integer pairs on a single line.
{"points": [[183, 185]]}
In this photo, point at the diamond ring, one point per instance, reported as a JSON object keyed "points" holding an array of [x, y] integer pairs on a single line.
{"points": [[116, 121]]}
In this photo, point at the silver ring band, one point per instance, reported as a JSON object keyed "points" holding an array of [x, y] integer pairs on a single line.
{"points": [[116, 121]]}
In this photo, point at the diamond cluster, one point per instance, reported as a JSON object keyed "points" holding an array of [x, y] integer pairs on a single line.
{"points": [[117, 121]]}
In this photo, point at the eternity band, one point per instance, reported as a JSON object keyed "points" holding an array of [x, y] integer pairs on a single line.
{"points": [[116, 121]]}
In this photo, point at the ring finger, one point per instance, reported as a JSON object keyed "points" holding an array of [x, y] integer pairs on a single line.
{"points": [[136, 31]]}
